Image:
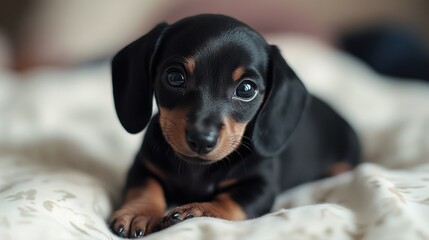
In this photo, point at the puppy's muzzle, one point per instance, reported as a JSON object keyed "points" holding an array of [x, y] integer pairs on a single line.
{"points": [[202, 141]]}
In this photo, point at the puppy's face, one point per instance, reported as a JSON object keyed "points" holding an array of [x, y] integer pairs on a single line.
{"points": [[210, 82]]}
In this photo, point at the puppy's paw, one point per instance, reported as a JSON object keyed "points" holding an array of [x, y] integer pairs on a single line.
{"points": [[188, 211], [133, 224]]}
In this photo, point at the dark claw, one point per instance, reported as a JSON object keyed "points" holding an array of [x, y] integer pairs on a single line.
{"points": [[176, 215], [189, 216], [138, 233], [121, 230], [175, 220]]}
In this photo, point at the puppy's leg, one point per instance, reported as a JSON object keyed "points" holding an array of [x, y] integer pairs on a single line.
{"points": [[141, 212], [223, 206], [244, 200]]}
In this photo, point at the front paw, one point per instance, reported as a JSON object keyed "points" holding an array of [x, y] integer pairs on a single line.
{"points": [[132, 224], [188, 211]]}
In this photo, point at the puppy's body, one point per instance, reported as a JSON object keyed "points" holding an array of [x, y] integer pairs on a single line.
{"points": [[235, 127]]}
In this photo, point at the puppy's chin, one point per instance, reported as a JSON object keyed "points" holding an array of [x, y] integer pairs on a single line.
{"points": [[196, 160]]}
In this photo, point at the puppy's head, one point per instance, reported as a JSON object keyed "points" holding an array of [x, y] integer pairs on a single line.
{"points": [[213, 78]]}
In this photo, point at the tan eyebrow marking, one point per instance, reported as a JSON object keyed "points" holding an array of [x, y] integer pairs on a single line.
{"points": [[190, 65], [238, 73]]}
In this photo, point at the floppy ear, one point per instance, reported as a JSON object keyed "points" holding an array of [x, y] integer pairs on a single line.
{"points": [[132, 80], [282, 108]]}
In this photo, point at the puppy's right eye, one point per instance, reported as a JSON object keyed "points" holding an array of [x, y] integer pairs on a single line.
{"points": [[176, 78]]}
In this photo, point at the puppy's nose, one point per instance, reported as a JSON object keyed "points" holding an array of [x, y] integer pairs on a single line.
{"points": [[201, 142]]}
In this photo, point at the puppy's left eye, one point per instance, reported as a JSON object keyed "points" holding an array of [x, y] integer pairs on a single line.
{"points": [[176, 78], [246, 91]]}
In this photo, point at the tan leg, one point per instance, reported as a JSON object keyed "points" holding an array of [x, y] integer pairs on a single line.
{"points": [[141, 211], [223, 206]]}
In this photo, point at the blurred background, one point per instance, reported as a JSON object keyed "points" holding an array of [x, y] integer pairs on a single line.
{"points": [[385, 34]]}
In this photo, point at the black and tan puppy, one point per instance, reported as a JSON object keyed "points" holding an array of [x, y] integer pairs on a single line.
{"points": [[235, 125]]}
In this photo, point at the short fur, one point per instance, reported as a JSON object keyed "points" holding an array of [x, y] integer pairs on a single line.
{"points": [[209, 151]]}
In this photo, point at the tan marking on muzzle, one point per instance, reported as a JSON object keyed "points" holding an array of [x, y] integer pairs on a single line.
{"points": [[173, 126], [229, 139]]}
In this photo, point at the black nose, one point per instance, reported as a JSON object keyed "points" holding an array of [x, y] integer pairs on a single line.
{"points": [[201, 142]]}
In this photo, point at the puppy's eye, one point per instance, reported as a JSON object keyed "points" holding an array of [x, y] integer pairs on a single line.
{"points": [[246, 91], [176, 78]]}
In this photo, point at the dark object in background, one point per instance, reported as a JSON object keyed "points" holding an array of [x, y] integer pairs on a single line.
{"points": [[390, 50]]}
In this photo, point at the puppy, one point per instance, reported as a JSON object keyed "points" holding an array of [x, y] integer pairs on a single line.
{"points": [[235, 125]]}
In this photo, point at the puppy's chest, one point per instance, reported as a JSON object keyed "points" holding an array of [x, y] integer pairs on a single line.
{"points": [[191, 184]]}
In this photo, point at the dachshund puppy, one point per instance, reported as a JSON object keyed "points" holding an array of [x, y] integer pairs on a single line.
{"points": [[235, 125]]}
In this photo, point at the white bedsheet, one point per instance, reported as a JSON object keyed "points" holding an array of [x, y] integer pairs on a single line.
{"points": [[63, 158]]}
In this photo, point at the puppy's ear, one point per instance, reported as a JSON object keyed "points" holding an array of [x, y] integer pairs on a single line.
{"points": [[132, 80], [282, 108]]}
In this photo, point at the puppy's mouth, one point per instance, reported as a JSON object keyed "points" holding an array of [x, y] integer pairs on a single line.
{"points": [[189, 156], [195, 160]]}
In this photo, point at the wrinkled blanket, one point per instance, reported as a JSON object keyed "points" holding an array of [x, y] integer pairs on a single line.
{"points": [[64, 156]]}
